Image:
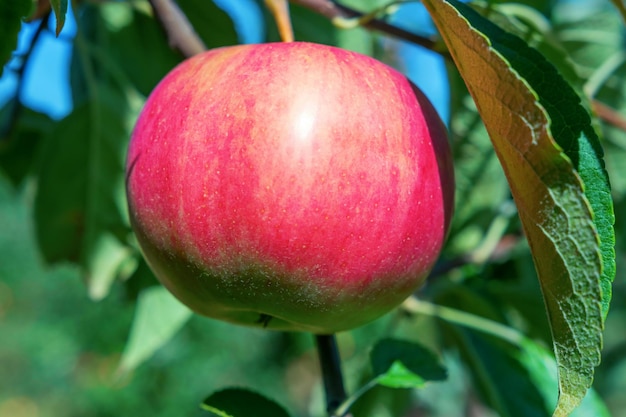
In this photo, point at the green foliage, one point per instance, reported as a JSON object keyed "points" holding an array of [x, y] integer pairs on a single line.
{"points": [[11, 15], [241, 403], [474, 337], [402, 364], [60, 10]]}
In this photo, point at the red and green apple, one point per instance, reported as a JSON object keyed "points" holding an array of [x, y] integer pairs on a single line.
{"points": [[292, 185]]}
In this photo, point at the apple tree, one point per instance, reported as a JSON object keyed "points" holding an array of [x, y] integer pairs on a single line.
{"points": [[515, 315]]}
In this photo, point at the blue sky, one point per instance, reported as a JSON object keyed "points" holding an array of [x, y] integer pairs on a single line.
{"points": [[47, 87]]}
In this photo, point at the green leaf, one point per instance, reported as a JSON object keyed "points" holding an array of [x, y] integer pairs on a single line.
{"points": [[78, 212], [553, 162], [238, 402], [104, 261], [19, 150], [517, 380], [211, 23], [502, 381], [157, 318], [530, 24], [541, 367], [481, 187], [140, 33], [11, 15], [60, 10], [403, 364], [514, 374], [399, 376]]}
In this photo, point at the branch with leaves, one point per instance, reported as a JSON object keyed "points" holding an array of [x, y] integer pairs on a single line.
{"points": [[341, 15]]}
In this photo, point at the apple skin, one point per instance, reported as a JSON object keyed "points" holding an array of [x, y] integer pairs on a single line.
{"points": [[293, 186]]}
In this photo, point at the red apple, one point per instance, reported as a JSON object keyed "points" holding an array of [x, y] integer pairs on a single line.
{"points": [[294, 186]]}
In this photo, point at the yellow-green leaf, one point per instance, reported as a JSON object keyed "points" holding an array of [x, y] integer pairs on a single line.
{"points": [[553, 162]]}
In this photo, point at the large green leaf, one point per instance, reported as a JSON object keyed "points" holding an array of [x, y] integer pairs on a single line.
{"points": [[553, 162], [11, 15], [79, 201]]}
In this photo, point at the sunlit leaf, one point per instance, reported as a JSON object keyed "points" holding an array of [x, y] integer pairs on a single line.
{"points": [[398, 376], [104, 261], [553, 162], [157, 318]]}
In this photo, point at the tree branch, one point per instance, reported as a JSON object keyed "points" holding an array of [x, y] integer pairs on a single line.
{"points": [[331, 372], [333, 11], [608, 114], [280, 11], [180, 33]]}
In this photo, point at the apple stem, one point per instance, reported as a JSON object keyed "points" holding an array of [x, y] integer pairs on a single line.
{"points": [[330, 364], [280, 10]]}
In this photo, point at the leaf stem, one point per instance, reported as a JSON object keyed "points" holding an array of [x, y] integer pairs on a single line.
{"points": [[280, 11], [465, 319], [343, 409], [609, 115], [331, 373]]}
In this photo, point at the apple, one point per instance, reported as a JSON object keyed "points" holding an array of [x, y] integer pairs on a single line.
{"points": [[292, 186]]}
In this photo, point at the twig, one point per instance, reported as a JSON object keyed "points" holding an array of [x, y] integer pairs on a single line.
{"points": [[280, 11], [333, 11], [331, 372], [609, 115], [180, 33]]}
